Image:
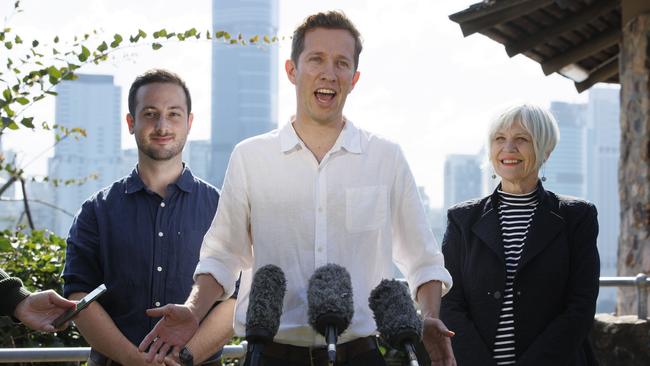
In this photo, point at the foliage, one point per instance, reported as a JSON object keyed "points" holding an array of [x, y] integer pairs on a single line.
{"points": [[37, 258]]}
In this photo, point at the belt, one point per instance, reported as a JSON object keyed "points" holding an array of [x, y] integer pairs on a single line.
{"points": [[318, 355], [101, 360]]}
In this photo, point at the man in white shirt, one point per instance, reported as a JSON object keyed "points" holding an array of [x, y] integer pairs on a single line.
{"points": [[316, 191]]}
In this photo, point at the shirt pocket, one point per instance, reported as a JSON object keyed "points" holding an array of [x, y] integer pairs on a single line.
{"points": [[366, 208]]}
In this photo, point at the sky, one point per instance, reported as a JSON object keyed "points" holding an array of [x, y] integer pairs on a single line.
{"points": [[422, 84]]}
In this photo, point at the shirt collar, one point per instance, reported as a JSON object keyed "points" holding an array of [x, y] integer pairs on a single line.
{"points": [[134, 183], [349, 138]]}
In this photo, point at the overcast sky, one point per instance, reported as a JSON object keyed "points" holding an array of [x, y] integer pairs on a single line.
{"points": [[421, 84]]}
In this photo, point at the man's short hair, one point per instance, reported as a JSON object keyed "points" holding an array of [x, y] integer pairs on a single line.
{"points": [[328, 20], [157, 76]]}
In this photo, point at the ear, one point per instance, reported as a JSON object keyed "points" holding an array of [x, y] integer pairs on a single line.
{"points": [[355, 78], [290, 68], [190, 118], [130, 121]]}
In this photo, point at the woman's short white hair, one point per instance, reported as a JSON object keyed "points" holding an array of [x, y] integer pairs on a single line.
{"points": [[537, 121]]}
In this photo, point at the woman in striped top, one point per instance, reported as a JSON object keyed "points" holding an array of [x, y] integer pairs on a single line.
{"points": [[523, 260]]}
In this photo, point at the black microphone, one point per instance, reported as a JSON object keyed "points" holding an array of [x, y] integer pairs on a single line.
{"points": [[329, 297], [396, 317], [264, 310]]}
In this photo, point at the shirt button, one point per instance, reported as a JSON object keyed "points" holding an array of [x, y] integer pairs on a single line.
{"points": [[162, 204], [157, 303], [497, 295], [159, 269], [160, 234]]}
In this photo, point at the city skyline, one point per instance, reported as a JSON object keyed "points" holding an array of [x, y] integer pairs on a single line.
{"points": [[422, 84]]}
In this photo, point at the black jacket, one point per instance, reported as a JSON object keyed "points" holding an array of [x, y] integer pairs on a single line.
{"points": [[12, 293], [555, 287]]}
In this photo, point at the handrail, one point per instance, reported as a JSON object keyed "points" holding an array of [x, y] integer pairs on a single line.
{"points": [[80, 354], [640, 281], [63, 354]]}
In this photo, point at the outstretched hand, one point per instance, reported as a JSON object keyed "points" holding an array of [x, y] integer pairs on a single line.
{"points": [[172, 332], [437, 341], [39, 310]]}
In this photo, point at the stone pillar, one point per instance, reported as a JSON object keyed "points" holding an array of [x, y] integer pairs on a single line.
{"points": [[634, 164]]}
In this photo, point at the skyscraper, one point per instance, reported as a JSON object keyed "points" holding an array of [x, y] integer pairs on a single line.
{"points": [[565, 170], [244, 79], [463, 180], [603, 136], [91, 102]]}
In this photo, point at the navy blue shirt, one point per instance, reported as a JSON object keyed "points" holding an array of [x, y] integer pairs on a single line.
{"points": [[143, 247]]}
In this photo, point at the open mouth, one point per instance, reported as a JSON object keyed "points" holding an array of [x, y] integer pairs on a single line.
{"points": [[324, 95], [510, 161]]}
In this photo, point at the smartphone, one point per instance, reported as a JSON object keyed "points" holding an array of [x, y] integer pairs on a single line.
{"points": [[82, 304]]}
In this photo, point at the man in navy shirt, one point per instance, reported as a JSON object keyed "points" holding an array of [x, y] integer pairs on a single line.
{"points": [[141, 235]]}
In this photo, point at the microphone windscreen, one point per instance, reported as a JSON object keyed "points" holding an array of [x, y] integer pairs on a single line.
{"points": [[329, 297], [265, 303], [395, 314]]}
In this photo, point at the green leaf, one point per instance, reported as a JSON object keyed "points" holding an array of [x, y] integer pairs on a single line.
{"points": [[22, 100], [56, 39], [9, 45], [27, 122], [254, 39], [50, 92], [156, 46], [54, 72], [35, 43], [142, 34], [226, 35], [267, 39], [233, 41], [83, 56], [10, 112], [7, 95], [220, 34], [5, 244], [208, 34], [18, 40], [102, 47], [180, 37], [117, 39]]}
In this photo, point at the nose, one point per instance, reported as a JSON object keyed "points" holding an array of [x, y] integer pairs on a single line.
{"points": [[327, 74], [162, 124], [510, 145]]}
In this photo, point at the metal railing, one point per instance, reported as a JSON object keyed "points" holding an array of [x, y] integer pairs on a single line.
{"points": [[61, 354], [80, 354], [641, 282]]}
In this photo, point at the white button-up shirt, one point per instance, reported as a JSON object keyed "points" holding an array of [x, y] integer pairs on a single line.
{"points": [[358, 208]]}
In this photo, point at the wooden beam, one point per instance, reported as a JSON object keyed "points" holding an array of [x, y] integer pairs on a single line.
{"points": [[567, 24], [632, 8], [603, 72], [582, 51], [498, 17], [482, 9]]}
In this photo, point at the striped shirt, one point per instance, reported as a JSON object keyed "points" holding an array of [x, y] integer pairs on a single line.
{"points": [[515, 216]]}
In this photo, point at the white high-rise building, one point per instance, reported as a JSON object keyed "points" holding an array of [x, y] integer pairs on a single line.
{"points": [[244, 79], [463, 180], [604, 138], [565, 170], [92, 102]]}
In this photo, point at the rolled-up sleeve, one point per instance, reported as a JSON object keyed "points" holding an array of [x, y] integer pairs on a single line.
{"points": [[226, 248], [415, 251]]}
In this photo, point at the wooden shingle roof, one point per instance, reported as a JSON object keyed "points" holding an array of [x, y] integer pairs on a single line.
{"points": [[578, 39]]}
